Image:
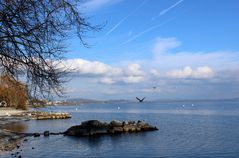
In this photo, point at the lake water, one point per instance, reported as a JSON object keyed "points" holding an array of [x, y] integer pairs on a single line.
{"points": [[186, 129]]}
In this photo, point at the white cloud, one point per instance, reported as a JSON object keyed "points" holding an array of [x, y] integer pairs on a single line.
{"points": [[151, 90], [107, 80], [133, 79], [155, 72], [134, 70], [168, 72], [162, 45], [105, 73], [91, 67], [134, 74], [188, 72], [164, 57]]}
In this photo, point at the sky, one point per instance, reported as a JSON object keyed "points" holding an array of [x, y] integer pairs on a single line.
{"points": [[158, 49]]}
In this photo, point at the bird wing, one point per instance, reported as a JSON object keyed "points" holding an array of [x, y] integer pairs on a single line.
{"points": [[137, 98]]}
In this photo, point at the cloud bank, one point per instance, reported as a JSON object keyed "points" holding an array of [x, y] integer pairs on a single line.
{"points": [[167, 73], [104, 73]]}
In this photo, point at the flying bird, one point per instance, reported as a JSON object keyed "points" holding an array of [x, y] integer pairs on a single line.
{"points": [[140, 100]]}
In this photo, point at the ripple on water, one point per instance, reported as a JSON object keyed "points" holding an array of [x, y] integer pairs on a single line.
{"points": [[204, 130]]}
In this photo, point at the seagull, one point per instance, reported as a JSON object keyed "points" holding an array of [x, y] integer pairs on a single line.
{"points": [[183, 105], [140, 100], [118, 108]]}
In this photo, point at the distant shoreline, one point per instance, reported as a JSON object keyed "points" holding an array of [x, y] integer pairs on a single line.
{"points": [[78, 102]]}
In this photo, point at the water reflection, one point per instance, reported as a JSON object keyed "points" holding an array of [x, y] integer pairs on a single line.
{"points": [[20, 127]]}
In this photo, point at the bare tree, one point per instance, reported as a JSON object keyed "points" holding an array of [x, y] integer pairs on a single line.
{"points": [[32, 34]]}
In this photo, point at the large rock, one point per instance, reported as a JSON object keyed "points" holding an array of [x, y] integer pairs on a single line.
{"points": [[129, 128], [116, 123], [95, 127], [87, 128], [77, 131], [117, 129]]}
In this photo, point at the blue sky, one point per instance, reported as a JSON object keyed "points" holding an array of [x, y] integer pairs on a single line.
{"points": [[161, 49]]}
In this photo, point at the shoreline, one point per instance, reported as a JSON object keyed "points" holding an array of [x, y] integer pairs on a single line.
{"points": [[10, 140]]}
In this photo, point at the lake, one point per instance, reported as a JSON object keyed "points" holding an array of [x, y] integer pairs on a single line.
{"points": [[186, 129]]}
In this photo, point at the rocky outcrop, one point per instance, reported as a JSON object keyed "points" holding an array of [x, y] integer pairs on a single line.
{"points": [[95, 127], [39, 115]]}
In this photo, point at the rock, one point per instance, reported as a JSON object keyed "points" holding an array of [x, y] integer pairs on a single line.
{"points": [[95, 127], [132, 122], [125, 123], [147, 127], [77, 131], [91, 123], [129, 128], [91, 127], [140, 124], [38, 115], [115, 123], [36, 134], [117, 130], [46, 133]]}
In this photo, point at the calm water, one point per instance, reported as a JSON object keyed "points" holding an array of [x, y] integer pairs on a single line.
{"points": [[186, 129]]}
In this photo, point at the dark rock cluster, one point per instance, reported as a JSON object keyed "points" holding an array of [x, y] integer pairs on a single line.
{"points": [[95, 127]]}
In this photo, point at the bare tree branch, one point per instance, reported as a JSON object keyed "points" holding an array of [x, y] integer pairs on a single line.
{"points": [[32, 34]]}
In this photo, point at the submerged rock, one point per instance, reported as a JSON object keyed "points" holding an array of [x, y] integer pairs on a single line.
{"points": [[95, 127]]}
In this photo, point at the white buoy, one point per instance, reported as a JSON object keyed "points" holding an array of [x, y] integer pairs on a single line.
{"points": [[76, 109], [183, 106], [192, 104], [118, 108]]}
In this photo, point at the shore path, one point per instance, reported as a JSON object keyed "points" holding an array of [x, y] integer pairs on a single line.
{"points": [[9, 112]]}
